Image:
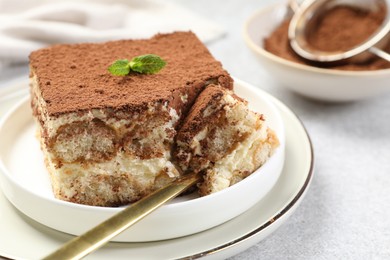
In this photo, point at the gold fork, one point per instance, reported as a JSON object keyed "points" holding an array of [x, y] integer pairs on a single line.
{"points": [[93, 239]]}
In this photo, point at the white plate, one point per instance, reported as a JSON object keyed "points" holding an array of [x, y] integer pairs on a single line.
{"points": [[222, 241], [28, 188]]}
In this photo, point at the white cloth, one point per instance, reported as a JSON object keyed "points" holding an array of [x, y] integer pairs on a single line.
{"points": [[28, 25]]}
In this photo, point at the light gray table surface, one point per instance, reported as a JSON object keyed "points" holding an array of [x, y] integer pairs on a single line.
{"points": [[346, 212]]}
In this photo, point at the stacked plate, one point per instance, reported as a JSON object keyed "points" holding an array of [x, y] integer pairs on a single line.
{"points": [[215, 226]]}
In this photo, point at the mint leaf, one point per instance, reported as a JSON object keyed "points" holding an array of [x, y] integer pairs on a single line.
{"points": [[147, 64], [119, 68]]}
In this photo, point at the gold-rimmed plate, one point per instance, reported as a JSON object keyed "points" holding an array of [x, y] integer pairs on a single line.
{"points": [[219, 242]]}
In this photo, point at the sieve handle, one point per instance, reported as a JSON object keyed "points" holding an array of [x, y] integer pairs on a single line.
{"points": [[380, 53], [293, 4]]}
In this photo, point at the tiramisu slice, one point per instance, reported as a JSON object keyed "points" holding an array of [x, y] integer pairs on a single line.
{"points": [[224, 139], [107, 140]]}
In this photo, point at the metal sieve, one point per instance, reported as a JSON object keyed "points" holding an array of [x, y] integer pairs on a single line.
{"points": [[305, 17]]}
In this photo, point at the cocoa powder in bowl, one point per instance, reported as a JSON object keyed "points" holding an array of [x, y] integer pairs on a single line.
{"points": [[340, 29]]}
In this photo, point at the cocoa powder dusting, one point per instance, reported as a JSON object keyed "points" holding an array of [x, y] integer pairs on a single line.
{"points": [[341, 28], [74, 77]]}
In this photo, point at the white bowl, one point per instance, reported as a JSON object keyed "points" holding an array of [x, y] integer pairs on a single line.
{"points": [[25, 183], [317, 83]]}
